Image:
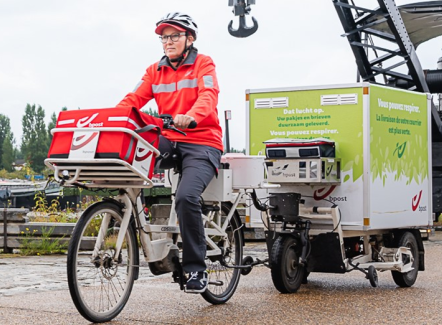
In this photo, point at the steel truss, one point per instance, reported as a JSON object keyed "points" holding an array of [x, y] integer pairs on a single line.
{"points": [[382, 31]]}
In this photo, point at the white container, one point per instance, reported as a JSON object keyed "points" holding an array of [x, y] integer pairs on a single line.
{"points": [[220, 188], [248, 171]]}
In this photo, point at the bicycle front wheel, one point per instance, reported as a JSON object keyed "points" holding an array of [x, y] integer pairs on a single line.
{"points": [[223, 279], [99, 282]]}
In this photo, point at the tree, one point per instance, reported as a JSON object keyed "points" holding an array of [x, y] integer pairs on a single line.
{"points": [[35, 137], [51, 125], [17, 153], [5, 129], [8, 156], [150, 111], [233, 150]]}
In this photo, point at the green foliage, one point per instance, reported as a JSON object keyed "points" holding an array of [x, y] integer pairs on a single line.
{"points": [[45, 212], [51, 125], [150, 111], [35, 138], [8, 155], [41, 204], [17, 153], [5, 131], [93, 227], [51, 213], [233, 150], [18, 174], [44, 245]]}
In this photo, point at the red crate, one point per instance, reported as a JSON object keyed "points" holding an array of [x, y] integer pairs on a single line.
{"points": [[105, 144]]}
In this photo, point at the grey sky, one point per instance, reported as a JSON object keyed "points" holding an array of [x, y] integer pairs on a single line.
{"points": [[90, 53]]}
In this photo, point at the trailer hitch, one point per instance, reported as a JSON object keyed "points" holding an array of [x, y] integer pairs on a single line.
{"points": [[241, 8]]}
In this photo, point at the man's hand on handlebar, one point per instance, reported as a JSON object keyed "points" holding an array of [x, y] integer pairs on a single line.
{"points": [[183, 121], [169, 123]]}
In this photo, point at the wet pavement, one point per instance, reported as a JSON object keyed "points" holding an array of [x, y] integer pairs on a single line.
{"points": [[34, 290]]}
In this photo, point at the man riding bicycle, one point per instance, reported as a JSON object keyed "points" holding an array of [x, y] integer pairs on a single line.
{"points": [[184, 85]]}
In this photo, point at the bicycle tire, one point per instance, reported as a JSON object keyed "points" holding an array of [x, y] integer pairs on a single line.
{"points": [[229, 277], [100, 288]]}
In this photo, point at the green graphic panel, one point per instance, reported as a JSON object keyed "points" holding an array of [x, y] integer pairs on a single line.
{"points": [[306, 118], [398, 135]]}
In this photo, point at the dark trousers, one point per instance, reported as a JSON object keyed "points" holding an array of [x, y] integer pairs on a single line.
{"points": [[197, 165]]}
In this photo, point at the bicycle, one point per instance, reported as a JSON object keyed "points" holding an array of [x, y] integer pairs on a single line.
{"points": [[103, 253]]}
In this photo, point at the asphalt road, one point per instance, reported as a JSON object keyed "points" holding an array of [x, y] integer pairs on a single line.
{"points": [[33, 290]]}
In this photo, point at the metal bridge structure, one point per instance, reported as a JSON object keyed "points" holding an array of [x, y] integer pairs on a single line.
{"points": [[391, 35]]}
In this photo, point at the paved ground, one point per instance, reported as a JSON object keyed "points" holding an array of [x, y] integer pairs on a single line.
{"points": [[33, 290]]}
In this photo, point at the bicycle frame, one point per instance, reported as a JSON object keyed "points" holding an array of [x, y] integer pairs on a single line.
{"points": [[158, 249], [130, 182]]}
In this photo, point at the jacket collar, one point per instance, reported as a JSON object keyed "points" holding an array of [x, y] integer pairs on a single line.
{"points": [[189, 60]]}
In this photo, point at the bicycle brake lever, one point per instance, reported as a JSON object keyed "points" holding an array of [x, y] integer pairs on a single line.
{"points": [[176, 130]]}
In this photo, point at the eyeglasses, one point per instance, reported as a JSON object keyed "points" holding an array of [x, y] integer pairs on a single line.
{"points": [[173, 37]]}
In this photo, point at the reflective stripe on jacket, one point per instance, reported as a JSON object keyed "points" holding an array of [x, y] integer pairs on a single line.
{"points": [[191, 89]]}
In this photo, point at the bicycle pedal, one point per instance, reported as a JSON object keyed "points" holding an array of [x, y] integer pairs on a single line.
{"points": [[216, 283]]}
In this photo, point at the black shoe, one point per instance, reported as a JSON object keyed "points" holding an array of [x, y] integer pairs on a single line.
{"points": [[197, 282]]}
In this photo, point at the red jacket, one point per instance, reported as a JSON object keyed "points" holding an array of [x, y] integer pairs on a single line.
{"points": [[192, 90]]}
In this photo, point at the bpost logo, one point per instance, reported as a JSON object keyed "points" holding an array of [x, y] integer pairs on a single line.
{"points": [[278, 171], [142, 154], [82, 140], [415, 203], [142, 158], [400, 149], [328, 170], [86, 121], [322, 193]]}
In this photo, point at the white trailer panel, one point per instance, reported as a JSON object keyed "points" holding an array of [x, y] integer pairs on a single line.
{"points": [[382, 137]]}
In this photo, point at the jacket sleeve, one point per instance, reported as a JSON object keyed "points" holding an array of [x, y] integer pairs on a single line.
{"points": [[208, 90], [141, 94]]}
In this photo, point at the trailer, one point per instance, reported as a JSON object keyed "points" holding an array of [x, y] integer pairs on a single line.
{"points": [[345, 182]]}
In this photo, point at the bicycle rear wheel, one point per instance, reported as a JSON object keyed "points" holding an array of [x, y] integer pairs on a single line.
{"points": [[99, 285], [223, 281]]}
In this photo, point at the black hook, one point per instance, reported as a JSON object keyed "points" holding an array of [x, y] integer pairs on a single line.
{"points": [[243, 30]]}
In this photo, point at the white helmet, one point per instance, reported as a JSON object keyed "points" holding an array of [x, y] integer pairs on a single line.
{"points": [[178, 19]]}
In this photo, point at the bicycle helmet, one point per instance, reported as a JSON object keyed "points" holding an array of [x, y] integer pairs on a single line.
{"points": [[179, 21]]}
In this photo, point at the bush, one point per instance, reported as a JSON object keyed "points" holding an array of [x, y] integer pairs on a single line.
{"points": [[44, 245]]}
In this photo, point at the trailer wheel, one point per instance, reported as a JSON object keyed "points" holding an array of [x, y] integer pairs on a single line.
{"points": [[287, 273], [407, 279], [373, 276]]}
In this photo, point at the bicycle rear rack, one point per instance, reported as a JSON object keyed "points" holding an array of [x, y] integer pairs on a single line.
{"points": [[109, 173], [102, 172]]}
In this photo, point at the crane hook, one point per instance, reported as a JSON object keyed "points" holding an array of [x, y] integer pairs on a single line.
{"points": [[243, 30], [242, 8]]}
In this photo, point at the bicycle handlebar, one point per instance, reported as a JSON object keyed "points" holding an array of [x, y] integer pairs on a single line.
{"points": [[168, 124], [192, 125]]}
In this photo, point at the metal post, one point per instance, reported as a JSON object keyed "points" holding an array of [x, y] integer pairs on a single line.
{"points": [[227, 117], [5, 232]]}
